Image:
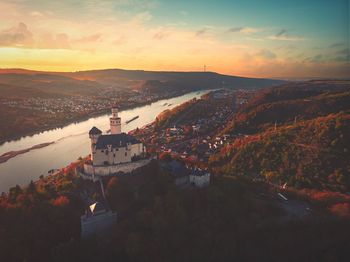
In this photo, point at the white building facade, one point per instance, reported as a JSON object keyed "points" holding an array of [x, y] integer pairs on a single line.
{"points": [[115, 148]]}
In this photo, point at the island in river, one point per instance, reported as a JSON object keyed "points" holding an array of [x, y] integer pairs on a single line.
{"points": [[8, 155]]}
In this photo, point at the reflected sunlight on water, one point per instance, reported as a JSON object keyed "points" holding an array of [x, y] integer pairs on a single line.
{"points": [[71, 142]]}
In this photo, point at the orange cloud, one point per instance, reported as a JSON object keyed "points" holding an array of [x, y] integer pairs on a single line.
{"points": [[90, 38], [50, 41], [18, 35]]}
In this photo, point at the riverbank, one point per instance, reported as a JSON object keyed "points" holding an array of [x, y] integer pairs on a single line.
{"points": [[71, 142], [62, 122]]}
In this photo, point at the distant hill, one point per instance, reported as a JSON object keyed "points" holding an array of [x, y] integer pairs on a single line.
{"points": [[47, 85], [91, 82]]}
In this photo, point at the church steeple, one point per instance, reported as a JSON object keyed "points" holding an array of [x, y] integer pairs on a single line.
{"points": [[115, 121]]}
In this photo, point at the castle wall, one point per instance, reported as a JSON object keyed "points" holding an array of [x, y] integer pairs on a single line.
{"points": [[137, 149], [120, 155], [92, 171], [117, 156], [112, 157]]}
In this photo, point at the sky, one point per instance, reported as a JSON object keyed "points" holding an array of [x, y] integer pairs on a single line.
{"points": [[253, 38]]}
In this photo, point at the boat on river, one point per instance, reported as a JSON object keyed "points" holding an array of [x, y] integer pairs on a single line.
{"points": [[132, 119]]}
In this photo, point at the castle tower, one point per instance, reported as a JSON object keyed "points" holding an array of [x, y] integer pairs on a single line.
{"points": [[115, 121], [94, 134]]}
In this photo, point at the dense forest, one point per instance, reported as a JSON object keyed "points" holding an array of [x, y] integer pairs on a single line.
{"points": [[35, 218], [233, 218]]}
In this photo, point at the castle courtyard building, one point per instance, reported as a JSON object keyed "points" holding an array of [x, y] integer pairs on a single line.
{"points": [[111, 150]]}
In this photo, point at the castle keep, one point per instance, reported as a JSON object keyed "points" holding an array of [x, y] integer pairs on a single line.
{"points": [[109, 152]]}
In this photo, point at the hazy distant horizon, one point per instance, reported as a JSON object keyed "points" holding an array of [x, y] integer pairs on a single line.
{"points": [[291, 78], [265, 39]]}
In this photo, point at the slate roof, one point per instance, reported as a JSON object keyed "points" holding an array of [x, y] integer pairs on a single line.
{"points": [[118, 140], [95, 131], [176, 168], [97, 207]]}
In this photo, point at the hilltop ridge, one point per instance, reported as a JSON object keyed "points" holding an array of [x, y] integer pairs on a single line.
{"points": [[130, 79]]}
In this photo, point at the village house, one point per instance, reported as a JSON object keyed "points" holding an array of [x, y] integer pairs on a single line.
{"points": [[96, 220], [184, 176]]}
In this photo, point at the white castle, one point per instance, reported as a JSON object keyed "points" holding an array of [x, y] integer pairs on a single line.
{"points": [[109, 152], [115, 148]]}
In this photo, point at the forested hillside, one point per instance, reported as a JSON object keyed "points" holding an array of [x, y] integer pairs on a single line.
{"points": [[158, 222], [297, 135], [291, 102]]}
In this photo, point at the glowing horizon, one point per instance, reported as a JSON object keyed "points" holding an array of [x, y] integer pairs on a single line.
{"points": [[249, 38]]}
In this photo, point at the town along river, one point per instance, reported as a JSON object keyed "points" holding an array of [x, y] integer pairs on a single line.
{"points": [[64, 145]]}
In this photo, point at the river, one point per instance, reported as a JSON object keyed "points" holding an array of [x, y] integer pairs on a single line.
{"points": [[71, 142]]}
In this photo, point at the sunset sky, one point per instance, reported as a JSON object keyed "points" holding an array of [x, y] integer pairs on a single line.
{"points": [[300, 38]]}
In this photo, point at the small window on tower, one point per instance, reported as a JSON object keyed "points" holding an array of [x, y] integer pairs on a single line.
{"points": [[126, 153]]}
